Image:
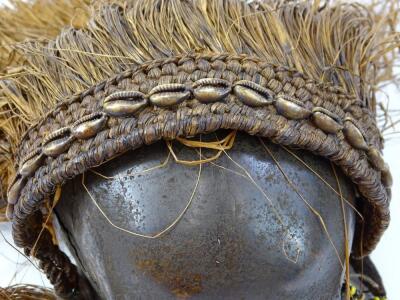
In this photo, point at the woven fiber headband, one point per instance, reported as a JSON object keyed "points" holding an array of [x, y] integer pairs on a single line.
{"points": [[138, 85], [185, 96]]}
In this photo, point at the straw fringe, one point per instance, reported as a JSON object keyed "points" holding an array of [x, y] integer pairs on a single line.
{"points": [[26, 292], [37, 20], [40, 19]]}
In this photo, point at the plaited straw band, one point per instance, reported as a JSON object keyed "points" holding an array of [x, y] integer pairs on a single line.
{"points": [[184, 96]]}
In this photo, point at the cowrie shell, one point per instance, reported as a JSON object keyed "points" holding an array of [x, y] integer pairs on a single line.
{"points": [[253, 94], [89, 125], [57, 142], [376, 159], [354, 135], [31, 163], [170, 94], [15, 189], [326, 120], [291, 108], [125, 103], [209, 90]]}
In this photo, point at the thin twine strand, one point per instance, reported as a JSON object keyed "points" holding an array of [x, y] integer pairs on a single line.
{"points": [[159, 166], [313, 210], [159, 234], [323, 180], [57, 196], [248, 177], [346, 235], [275, 211]]}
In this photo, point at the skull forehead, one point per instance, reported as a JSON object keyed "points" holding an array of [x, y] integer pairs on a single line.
{"points": [[238, 234]]}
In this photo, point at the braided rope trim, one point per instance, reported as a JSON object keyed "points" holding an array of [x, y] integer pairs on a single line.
{"points": [[185, 96]]}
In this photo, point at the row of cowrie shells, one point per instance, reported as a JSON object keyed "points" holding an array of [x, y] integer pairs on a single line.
{"points": [[206, 90], [53, 145]]}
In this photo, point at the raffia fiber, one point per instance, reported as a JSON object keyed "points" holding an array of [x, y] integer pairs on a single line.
{"points": [[346, 45], [26, 292], [19, 21]]}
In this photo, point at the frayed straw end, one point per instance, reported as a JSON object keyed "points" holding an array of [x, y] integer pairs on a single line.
{"points": [[27, 292]]}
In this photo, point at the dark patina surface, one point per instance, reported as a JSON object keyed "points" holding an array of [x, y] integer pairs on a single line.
{"points": [[236, 240]]}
